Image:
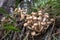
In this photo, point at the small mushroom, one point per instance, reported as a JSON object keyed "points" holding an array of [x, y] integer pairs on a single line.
{"points": [[33, 33], [43, 23], [30, 17], [52, 19], [22, 16], [46, 16], [40, 11], [49, 23], [33, 14], [33, 27], [35, 24], [29, 21], [39, 18], [25, 24], [34, 18], [40, 14]]}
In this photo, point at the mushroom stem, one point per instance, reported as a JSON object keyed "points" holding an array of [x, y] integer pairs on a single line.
{"points": [[44, 19]]}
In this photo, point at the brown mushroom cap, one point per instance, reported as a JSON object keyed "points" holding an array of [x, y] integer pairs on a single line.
{"points": [[35, 24], [43, 23], [34, 18], [39, 18], [29, 17], [33, 33], [29, 21], [40, 14], [33, 27], [25, 24], [48, 22], [40, 11], [52, 19], [33, 13], [46, 15]]}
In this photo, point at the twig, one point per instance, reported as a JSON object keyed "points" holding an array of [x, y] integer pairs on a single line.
{"points": [[22, 33], [14, 37], [26, 36], [55, 33], [32, 38], [5, 35]]}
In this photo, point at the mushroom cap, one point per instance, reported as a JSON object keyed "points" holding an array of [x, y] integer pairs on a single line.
{"points": [[33, 13], [48, 22], [40, 14], [39, 11], [43, 23], [33, 27], [30, 17], [39, 18], [34, 18], [46, 15], [52, 19], [29, 21], [27, 18], [25, 24], [35, 24], [33, 33]]}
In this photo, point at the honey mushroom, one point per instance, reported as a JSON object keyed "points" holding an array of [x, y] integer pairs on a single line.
{"points": [[33, 33], [35, 25], [43, 24], [52, 19], [35, 19], [29, 22], [38, 22], [46, 16], [19, 10], [33, 13], [25, 24], [22, 16], [39, 18], [49, 22], [28, 17], [40, 13]]}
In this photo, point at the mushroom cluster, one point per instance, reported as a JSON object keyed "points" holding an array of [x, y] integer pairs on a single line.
{"points": [[37, 22]]}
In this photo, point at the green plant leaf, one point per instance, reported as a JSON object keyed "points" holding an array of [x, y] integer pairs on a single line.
{"points": [[10, 27], [3, 11]]}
